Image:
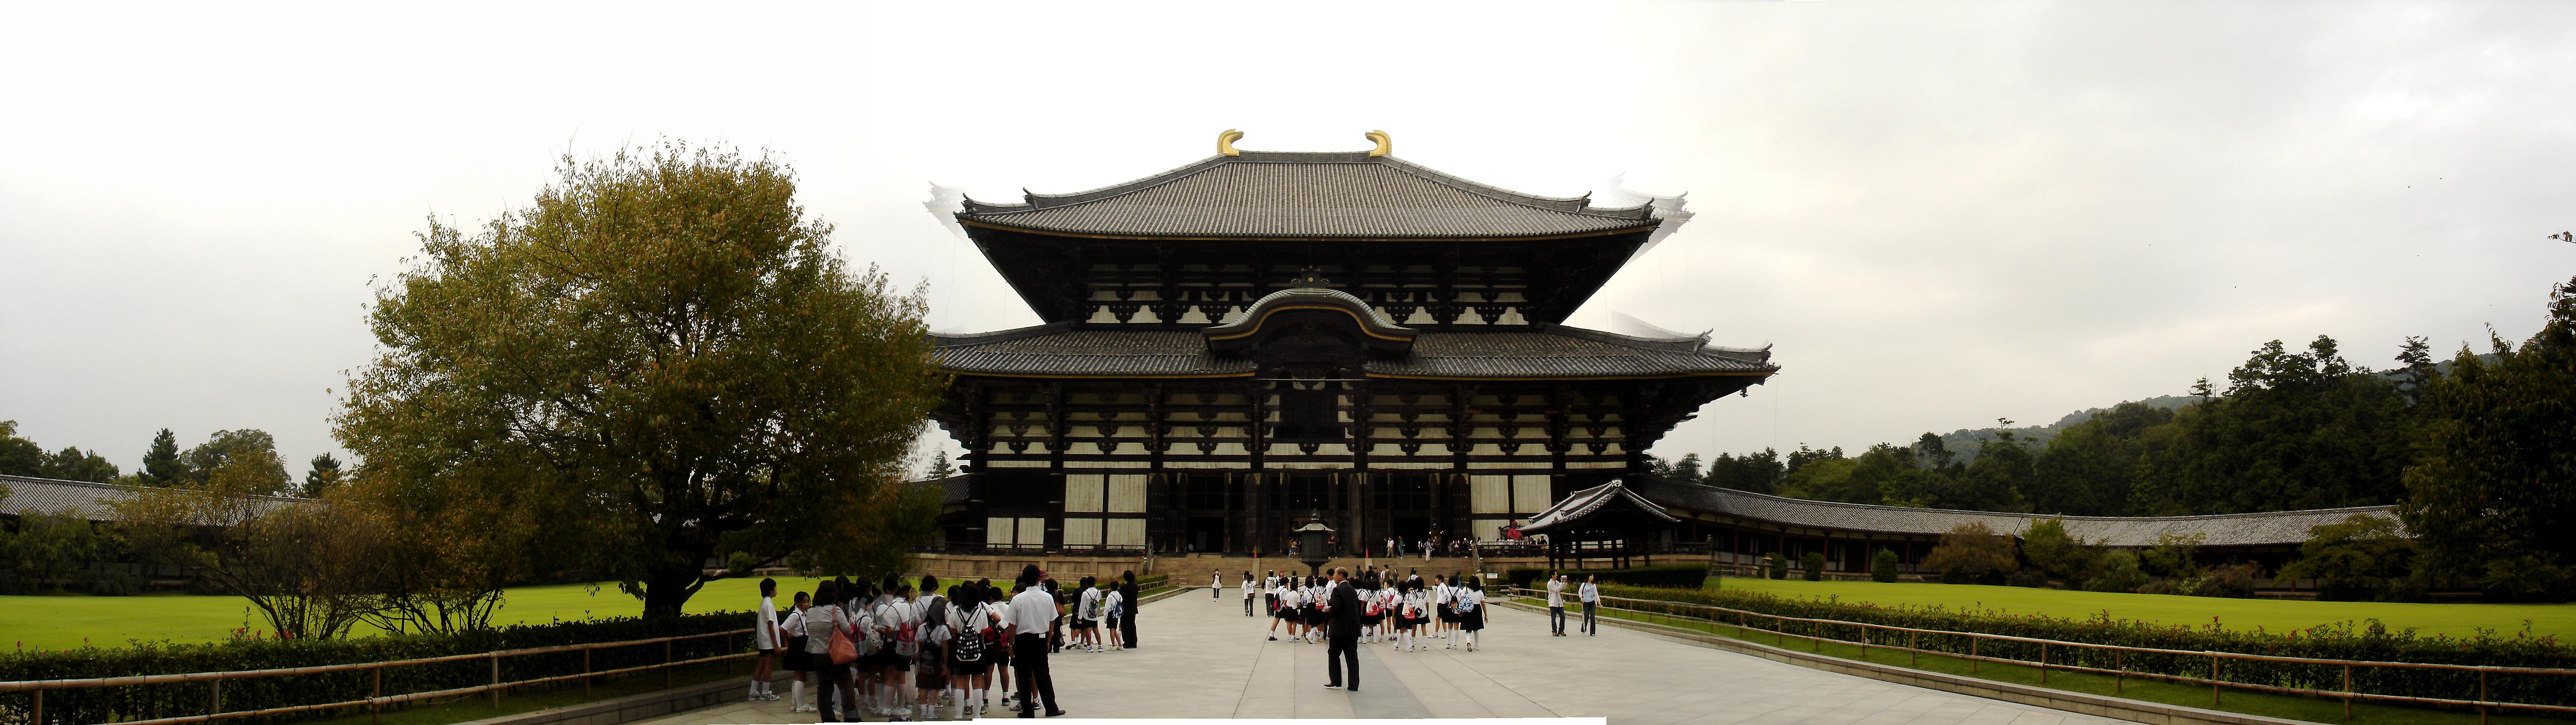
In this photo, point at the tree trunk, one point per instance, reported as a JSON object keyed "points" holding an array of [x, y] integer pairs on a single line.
{"points": [[669, 588]]}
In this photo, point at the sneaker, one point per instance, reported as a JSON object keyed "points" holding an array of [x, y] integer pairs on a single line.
{"points": [[1332, 687]]}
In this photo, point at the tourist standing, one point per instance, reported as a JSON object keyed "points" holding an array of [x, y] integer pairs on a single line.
{"points": [[765, 637], [821, 622], [1591, 594], [1086, 617], [1342, 603], [1111, 604], [1216, 583], [969, 642], [1556, 605], [1129, 603], [1247, 592], [1030, 614]]}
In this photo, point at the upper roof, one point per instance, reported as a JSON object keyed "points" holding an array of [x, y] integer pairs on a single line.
{"points": [[1587, 501], [1306, 195], [2249, 529], [93, 501], [1376, 331], [1540, 351]]}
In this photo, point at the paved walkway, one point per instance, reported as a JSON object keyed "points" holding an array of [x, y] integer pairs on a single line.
{"points": [[1204, 659]]}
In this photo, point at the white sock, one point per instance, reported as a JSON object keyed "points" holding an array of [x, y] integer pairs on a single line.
{"points": [[797, 692]]}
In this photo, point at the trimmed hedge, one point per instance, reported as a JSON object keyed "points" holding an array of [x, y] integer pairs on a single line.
{"points": [[158, 701], [1681, 576], [2348, 641]]}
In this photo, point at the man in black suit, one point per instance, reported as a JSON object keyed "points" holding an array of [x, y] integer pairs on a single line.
{"points": [[1343, 640], [1127, 619]]}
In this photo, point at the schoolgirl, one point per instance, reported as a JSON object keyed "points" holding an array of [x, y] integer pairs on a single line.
{"points": [[1086, 618], [1247, 592], [1316, 620], [797, 660], [1270, 594], [1417, 611], [1471, 611], [1371, 613], [1000, 653], [970, 668], [1115, 606]]}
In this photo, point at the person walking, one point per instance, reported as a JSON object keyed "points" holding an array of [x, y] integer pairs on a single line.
{"points": [[1216, 584], [1031, 613], [1247, 592], [1591, 594], [1342, 604], [1555, 605], [798, 662], [1471, 610], [1128, 604]]}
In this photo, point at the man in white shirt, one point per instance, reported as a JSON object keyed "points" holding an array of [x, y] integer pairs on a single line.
{"points": [[1556, 605], [1031, 612], [1591, 602]]}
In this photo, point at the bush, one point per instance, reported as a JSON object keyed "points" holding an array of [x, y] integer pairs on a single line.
{"points": [[1972, 552], [1775, 565], [2032, 578], [2118, 572], [141, 702], [1882, 568], [1813, 565], [2347, 641], [2233, 581]]}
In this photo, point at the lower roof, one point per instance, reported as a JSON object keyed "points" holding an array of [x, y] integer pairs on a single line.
{"points": [[92, 501], [1536, 351], [2270, 528]]}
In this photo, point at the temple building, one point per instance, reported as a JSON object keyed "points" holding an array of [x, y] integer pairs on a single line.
{"points": [[1234, 345]]}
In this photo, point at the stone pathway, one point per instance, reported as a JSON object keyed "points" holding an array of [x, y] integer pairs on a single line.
{"points": [[1204, 659]]}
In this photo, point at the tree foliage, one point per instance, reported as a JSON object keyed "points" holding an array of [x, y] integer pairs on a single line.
{"points": [[2359, 559], [663, 356], [226, 446], [307, 567], [2493, 487], [1972, 552]]}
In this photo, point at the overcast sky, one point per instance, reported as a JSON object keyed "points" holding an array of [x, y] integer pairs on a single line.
{"points": [[1940, 214]]}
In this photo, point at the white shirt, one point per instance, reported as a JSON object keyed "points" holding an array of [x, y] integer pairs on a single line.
{"points": [[1030, 612], [1556, 593], [795, 624], [1089, 606], [1110, 604], [1247, 587], [764, 633], [1216, 581]]}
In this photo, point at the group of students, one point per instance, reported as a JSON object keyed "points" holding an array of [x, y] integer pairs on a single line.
{"points": [[880, 650], [1403, 610]]}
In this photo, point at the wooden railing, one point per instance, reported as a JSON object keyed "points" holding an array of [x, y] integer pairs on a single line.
{"points": [[1817, 635], [376, 700]]}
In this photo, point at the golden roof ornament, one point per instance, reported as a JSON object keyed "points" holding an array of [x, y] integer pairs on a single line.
{"points": [[1385, 143], [1225, 142]]}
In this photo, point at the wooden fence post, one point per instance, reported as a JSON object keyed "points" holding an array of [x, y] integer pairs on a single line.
{"points": [[496, 680], [585, 672], [2482, 697], [376, 710], [1913, 650], [1972, 654], [217, 706], [2347, 692], [1816, 638], [2213, 680], [2043, 663], [2119, 673], [666, 663]]}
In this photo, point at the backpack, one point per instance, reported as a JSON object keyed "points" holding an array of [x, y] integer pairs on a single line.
{"points": [[906, 638], [968, 647], [1465, 604]]}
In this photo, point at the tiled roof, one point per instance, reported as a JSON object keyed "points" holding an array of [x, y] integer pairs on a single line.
{"points": [[2253, 529], [1267, 195], [1582, 503], [1542, 351], [92, 501]]}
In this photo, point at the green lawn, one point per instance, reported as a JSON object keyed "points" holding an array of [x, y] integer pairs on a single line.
{"points": [[2136, 688], [65, 622], [2275, 615]]}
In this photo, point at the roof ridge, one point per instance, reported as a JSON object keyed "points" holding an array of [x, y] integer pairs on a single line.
{"points": [[1579, 205], [2190, 517], [984, 338], [133, 489], [1571, 205]]}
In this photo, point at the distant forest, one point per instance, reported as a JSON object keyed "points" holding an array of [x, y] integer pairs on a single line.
{"points": [[2289, 429]]}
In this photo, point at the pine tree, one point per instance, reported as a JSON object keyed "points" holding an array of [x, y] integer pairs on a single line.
{"points": [[161, 466], [940, 467], [326, 473]]}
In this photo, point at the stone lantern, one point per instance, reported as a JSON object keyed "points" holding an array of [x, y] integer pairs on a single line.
{"points": [[1311, 540]]}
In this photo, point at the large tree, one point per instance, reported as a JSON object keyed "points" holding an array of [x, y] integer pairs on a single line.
{"points": [[664, 356], [2493, 485], [161, 465], [224, 446]]}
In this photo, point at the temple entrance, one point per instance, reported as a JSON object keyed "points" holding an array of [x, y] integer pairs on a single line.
{"points": [[1205, 533]]}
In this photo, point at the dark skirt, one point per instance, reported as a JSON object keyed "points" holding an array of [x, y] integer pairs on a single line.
{"points": [[969, 669], [797, 659], [1284, 613], [1447, 614], [1472, 620]]}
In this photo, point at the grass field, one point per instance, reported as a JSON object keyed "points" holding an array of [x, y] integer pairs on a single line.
{"points": [[2135, 688], [2275, 615], [64, 622]]}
